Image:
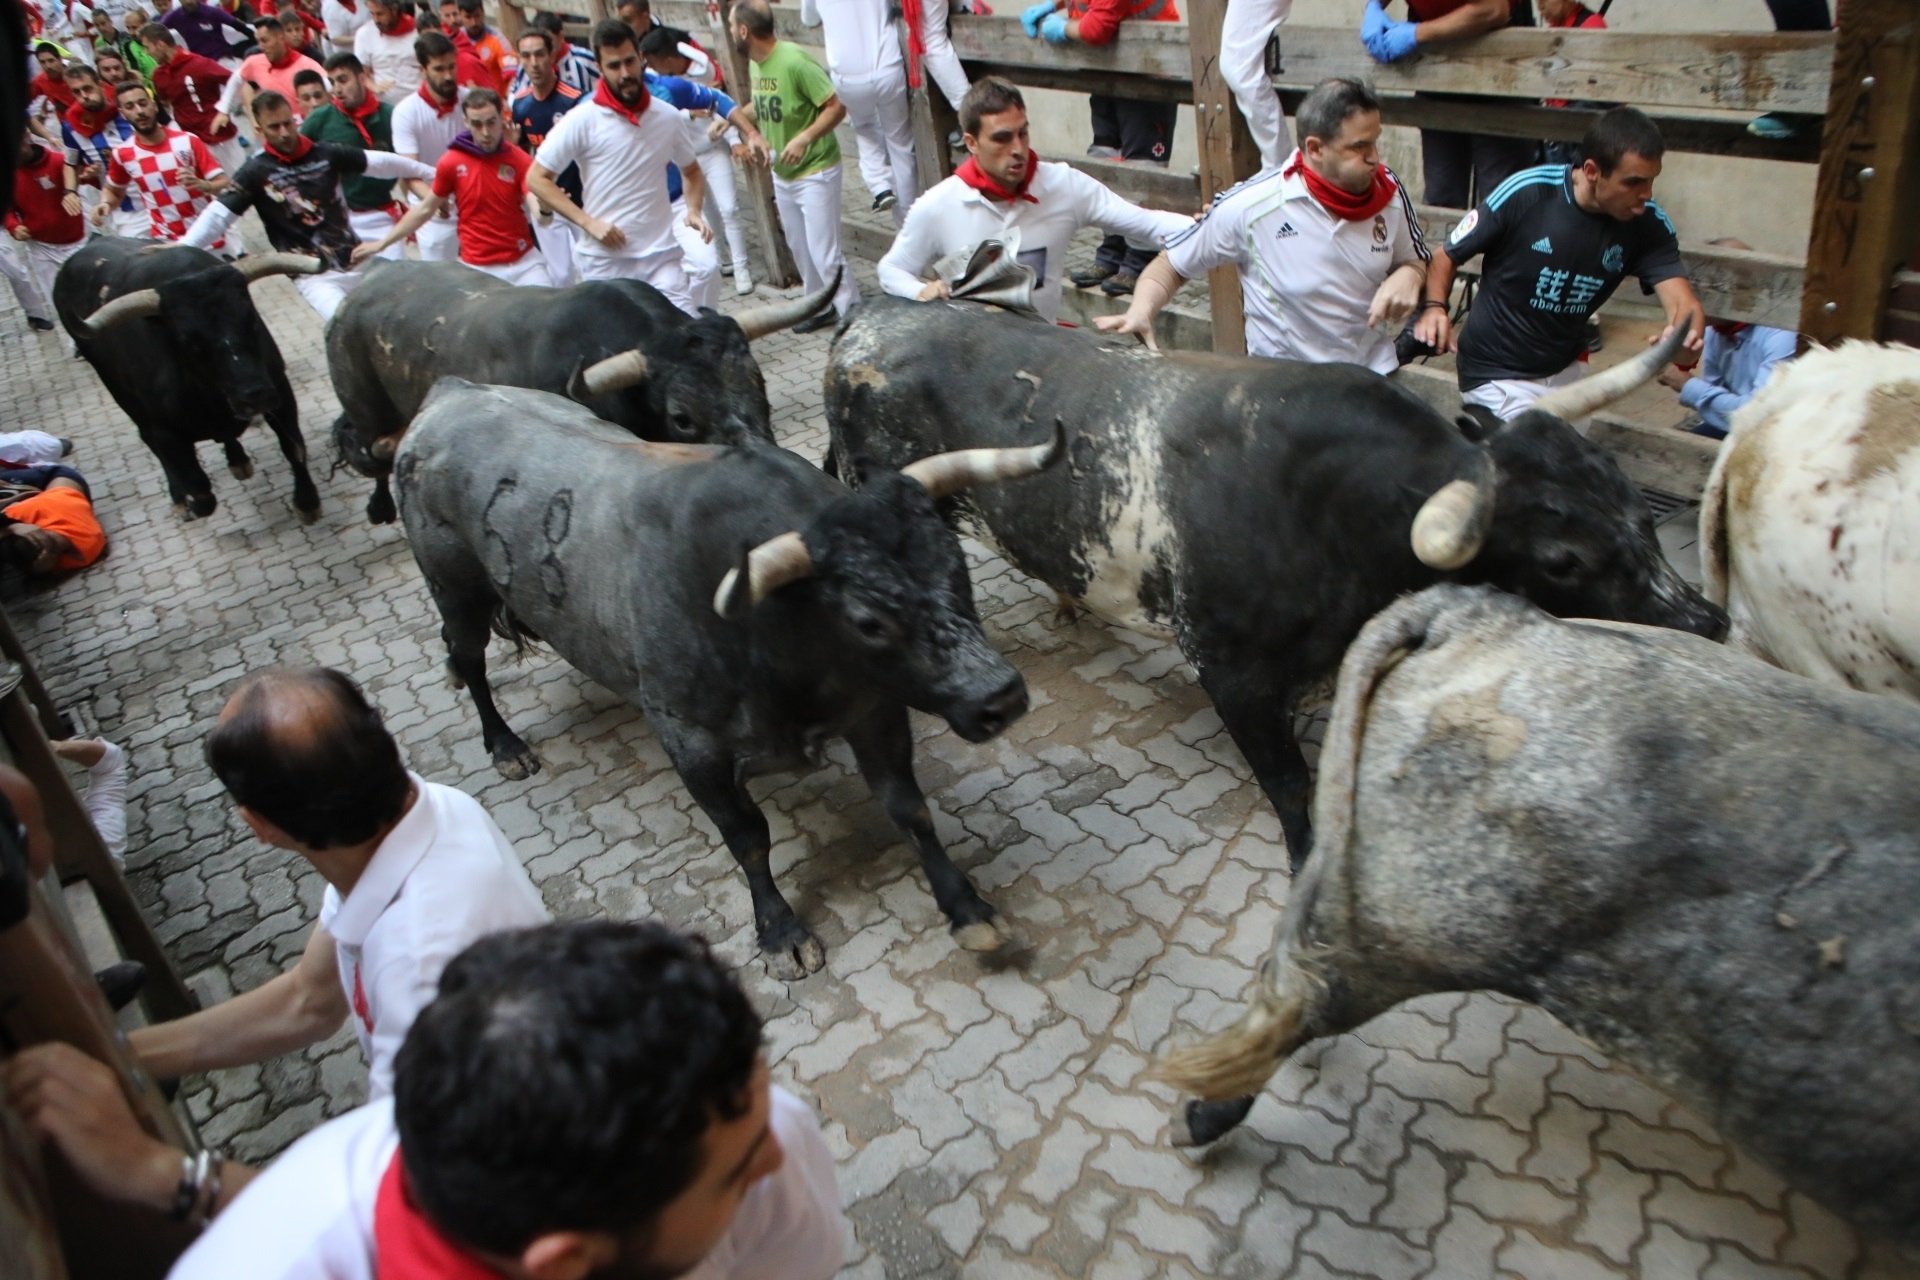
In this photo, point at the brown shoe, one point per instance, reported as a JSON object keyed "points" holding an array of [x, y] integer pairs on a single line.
{"points": [[1121, 284], [1093, 276]]}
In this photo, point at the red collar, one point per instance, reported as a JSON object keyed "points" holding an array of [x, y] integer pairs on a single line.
{"points": [[408, 1247], [285, 62], [404, 27], [302, 145], [1338, 201], [974, 176], [1728, 328], [358, 117], [604, 96], [351, 6], [88, 122], [439, 108]]}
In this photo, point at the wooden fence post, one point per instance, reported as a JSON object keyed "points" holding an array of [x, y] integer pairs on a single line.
{"points": [[513, 21], [781, 271], [1227, 156], [1867, 201]]}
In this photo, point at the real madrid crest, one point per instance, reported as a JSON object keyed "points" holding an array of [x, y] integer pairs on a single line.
{"points": [[1379, 229]]}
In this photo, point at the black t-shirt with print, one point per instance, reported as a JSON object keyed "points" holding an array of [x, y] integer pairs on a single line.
{"points": [[1549, 265], [300, 201]]}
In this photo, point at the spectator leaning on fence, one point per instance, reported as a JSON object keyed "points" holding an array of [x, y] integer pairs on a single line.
{"points": [[1005, 192], [1328, 247], [869, 73], [1557, 241], [1249, 27]]}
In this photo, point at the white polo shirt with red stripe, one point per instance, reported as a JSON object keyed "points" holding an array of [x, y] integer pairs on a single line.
{"points": [[623, 171], [444, 877], [309, 1215]]}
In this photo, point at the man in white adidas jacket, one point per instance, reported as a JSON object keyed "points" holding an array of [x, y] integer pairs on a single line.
{"points": [[1005, 192]]}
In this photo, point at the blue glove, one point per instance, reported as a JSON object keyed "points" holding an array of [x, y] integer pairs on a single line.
{"points": [[1373, 23], [1393, 41], [1033, 15], [1054, 29]]}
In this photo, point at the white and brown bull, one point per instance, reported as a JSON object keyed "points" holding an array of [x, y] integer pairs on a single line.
{"points": [[1705, 866], [1810, 528]]}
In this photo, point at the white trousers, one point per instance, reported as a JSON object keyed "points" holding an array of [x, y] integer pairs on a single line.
{"points": [[372, 226], [556, 237], [809, 210], [13, 265], [326, 291], [530, 268], [1249, 25], [940, 62], [31, 448], [230, 154], [723, 201], [883, 133], [1511, 397], [43, 264], [439, 239], [664, 271], [699, 259]]}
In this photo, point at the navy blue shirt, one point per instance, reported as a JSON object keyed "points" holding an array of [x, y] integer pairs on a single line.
{"points": [[1549, 265]]}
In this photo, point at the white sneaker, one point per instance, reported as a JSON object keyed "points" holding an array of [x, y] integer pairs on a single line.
{"points": [[742, 279]]}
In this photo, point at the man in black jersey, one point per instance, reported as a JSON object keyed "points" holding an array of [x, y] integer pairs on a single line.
{"points": [[294, 182], [1558, 240]]}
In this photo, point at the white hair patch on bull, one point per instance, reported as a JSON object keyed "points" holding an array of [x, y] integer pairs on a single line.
{"points": [[1133, 537]]}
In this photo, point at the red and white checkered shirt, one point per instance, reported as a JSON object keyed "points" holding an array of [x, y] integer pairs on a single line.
{"points": [[154, 174]]}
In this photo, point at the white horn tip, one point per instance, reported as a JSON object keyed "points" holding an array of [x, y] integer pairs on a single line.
{"points": [[725, 592]]}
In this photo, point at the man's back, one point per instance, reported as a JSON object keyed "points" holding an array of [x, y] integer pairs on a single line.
{"points": [[858, 36]]}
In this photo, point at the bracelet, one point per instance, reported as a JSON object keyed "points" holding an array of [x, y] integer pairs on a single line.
{"points": [[209, 1199], [1433, 302], [198, 1191]]}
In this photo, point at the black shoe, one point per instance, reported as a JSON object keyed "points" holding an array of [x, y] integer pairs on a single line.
{"points": [[1090, 277], [66, 447], [884, 201], [1594, 340], [120, 983], [38, 325], [824, 320], [1120, 284]]}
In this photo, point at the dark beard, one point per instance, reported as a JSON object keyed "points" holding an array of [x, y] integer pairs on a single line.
{"points": [[630, 94]]}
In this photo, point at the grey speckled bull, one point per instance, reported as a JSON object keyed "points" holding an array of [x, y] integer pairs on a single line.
{"points": [[752, 606], [1707, 867]]}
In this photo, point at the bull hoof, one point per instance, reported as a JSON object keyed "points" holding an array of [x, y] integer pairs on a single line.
{"points": [[307, 512], [1196, 1123], [794, 955], [200, 505], [985, 936], [1065, 611], [515, 760], [380, 509], [242, 471]]}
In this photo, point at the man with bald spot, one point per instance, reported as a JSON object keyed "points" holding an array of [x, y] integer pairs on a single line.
{"points": [[414, 872]]}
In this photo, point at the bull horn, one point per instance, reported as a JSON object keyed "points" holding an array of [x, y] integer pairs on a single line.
{"points": [[128, 306], [615, 373], [758, 322], [261, 265], [770, 566], [1571, 403], [384, 447], [1452, 524], [948, 473]]}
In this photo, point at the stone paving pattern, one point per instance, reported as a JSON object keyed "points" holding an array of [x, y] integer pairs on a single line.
{"points": [[990, 1120]]}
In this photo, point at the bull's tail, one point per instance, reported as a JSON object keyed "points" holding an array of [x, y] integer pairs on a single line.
{"points": [[507, 625], [1283, 1008], [1713, 530]]}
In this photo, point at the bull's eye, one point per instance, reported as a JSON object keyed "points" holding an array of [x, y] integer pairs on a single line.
{"points": [[1561, 564], [682, 425], [873, 628]]}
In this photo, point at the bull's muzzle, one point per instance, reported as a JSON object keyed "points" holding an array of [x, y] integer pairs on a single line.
{"points": [[989, 716]]}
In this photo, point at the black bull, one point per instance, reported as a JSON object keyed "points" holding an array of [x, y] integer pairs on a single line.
{"points": [[179, 346], [1259, 511], [616, 346]]}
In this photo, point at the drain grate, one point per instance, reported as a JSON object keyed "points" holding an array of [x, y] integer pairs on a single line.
{"points": [[1667, 505]]}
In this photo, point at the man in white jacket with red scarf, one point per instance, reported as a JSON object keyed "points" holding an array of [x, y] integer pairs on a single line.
{"points": [[1329, 249]]}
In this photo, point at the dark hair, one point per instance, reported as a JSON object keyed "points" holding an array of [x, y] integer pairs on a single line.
{"points": [[426, 20], [347, 60], [269, 100], [610, 33], [154, 31], [1618, 133], [47, 46], [564, 1078], [269, 20], [1326, 108], [545, 37], [306, 76], [645, 6], [430, 45], [664, 40], [471, 6], [551, 23], [306, 751], [480, 96], [989, 96], [81, 71], [290, 21], [756, 16], [120, 90]]}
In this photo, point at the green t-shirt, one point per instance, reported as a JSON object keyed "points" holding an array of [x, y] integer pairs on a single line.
{"points": [[329, 124], [788, 90]]}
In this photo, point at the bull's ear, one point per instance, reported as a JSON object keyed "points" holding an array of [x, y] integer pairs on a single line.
{"points": [[1477, 423], [734, 600]]}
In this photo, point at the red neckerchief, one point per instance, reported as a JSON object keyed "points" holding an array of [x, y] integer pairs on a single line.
{"points": [[1728, 328], [1340, 202], [404, 27], [358, 117], [54, 89], [604, 96], [439, 108], [86, 121], [302, 145], [285, 62], [974, 176], [408, 1247], [351, 6]]}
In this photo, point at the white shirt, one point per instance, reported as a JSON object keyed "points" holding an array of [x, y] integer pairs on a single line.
{"points": [[952, 217], [423, 133], [342, 23], [388, 58], [1307, 276], [442, 878], [860, 39], [623, 171], [309, 1215]]}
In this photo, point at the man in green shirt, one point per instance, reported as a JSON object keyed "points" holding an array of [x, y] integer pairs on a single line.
{"points": [[796, 108], [357, 118]]}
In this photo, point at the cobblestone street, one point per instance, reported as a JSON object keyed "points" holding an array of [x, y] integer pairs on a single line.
{"points": [[989, 1120]]}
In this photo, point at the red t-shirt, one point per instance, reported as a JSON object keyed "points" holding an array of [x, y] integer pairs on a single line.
{"points": [[39, 188], [490, 192], [1428, 10]]}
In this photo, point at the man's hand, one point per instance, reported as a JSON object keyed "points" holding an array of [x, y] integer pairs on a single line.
{"points": [[1033, 15], [220, 121], [1395, 299], [1673, 378], [70, 204], [1137, 324], [99, 214], [361, 252], [1385, 39], [794, 152], [21, 233], [698, 223], [754, 151], [716, 127], [1054, 29], [74, 1103], [89, 176], [194, 183], [1696, 333], [606, 233], [1435, 329], [934, 290]]}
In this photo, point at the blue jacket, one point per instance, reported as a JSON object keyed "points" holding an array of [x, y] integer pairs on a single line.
{"points": [[688, 96]]}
